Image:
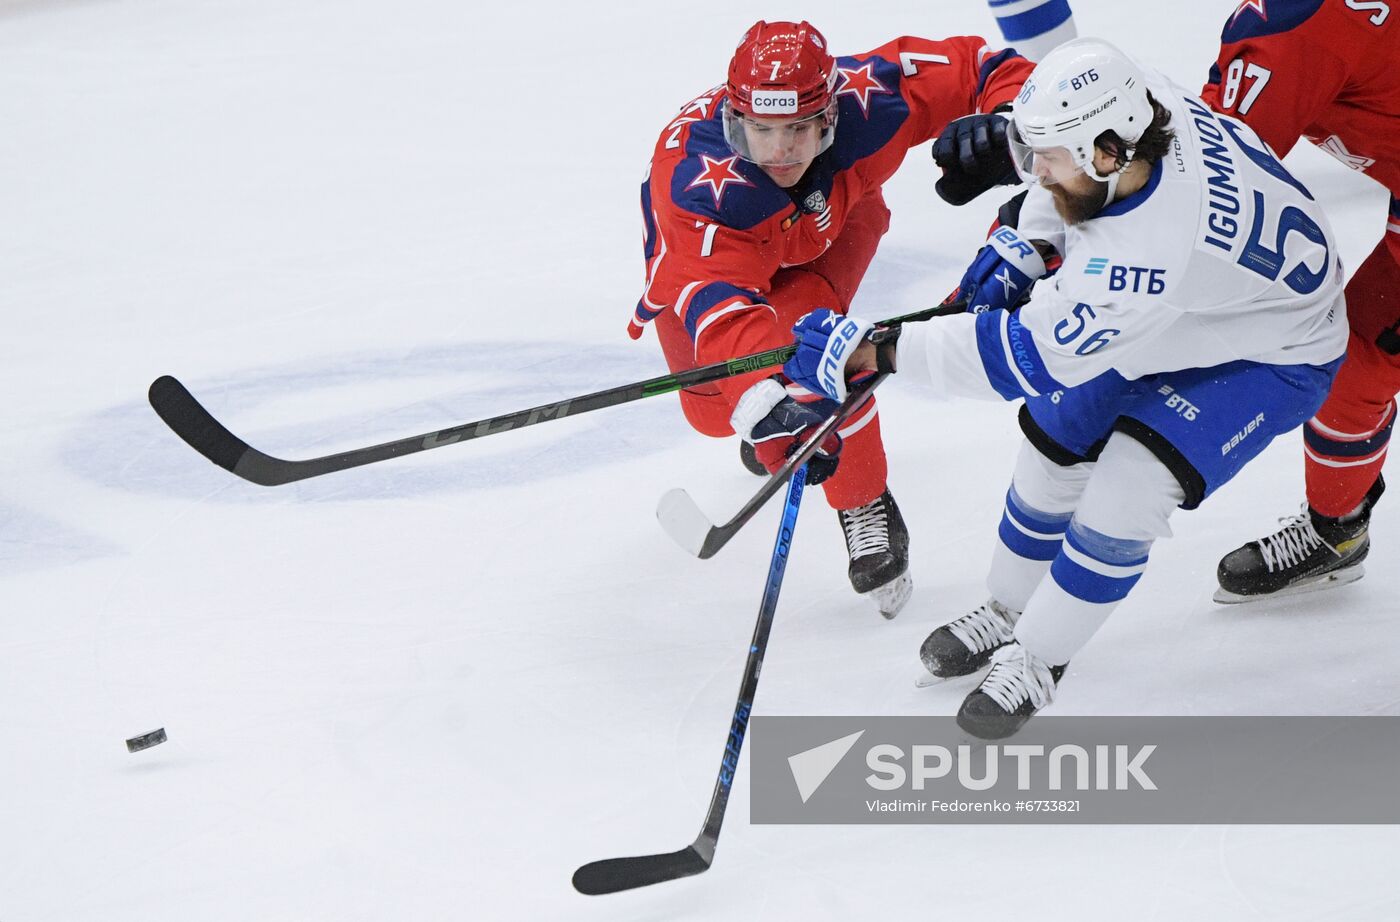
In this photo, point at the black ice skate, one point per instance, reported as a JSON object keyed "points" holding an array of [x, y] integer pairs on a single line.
{"points": [[964, 646], [878, 544], [1308, 553], [1019, 685]]}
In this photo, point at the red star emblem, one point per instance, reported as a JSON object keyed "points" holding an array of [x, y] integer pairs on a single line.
{"points": [[717, 174], [860, 82], [1256, 5]]}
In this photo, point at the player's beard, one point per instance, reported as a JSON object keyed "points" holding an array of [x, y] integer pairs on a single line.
{"points": [[1076, 207]]}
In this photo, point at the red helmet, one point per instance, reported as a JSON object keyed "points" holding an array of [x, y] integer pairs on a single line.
{"points": [[781, 69]]}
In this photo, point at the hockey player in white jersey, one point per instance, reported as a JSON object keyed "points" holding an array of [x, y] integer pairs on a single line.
{"points": [[1198, 314]]}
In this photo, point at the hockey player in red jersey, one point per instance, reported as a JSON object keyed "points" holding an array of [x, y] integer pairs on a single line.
{"points": [[1326, 70], [763, 203]]}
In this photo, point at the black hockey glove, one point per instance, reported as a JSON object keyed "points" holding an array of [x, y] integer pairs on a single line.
{"points": [[776, 425], [974, 155]]}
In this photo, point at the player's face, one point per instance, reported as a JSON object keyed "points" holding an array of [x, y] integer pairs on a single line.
{"points": [[1054, 166], [784, 147]]}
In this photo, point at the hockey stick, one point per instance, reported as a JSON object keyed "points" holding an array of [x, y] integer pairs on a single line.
{"points": [[613, 874], [692, 529], [188, 419]]}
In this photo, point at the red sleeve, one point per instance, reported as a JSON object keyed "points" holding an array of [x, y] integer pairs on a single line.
{"points": [[1263, 82], [715, 278], [949, 78]]}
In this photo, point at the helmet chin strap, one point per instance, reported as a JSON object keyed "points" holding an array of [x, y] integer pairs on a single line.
{"points": [[1112, 186], [1111, 179]]}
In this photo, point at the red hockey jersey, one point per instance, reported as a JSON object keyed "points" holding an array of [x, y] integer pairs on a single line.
{"points": [[717, 228], [1326, 70]]}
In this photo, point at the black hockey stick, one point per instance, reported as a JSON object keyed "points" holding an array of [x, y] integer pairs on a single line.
{"points": [[613, 874], [692, 529], [188, 419]]}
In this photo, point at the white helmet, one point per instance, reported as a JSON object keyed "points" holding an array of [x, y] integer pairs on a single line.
{"points": [[1077, 92]]}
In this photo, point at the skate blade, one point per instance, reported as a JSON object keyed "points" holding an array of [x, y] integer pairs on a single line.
{"points": [[891, 598], [1325, 581], [926, 679]]}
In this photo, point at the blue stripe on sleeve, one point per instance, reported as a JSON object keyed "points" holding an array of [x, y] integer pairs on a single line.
{"points": [[993, 355], [711, 295], [990, 65], [992, 343]]}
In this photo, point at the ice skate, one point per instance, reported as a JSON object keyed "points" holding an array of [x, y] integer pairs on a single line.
{"points": [[964, 646], [1310, 552], [878, 546], [1019, 685]]}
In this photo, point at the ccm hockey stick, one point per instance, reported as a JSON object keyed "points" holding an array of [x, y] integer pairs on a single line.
{"points": [[188, 419], [692, 529], [613, 874]]}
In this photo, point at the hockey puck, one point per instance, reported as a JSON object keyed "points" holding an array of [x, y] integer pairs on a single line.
{"points": [[146, 740]]}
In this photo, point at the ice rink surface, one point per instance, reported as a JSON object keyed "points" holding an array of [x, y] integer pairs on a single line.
{"points": [[431, 688]]}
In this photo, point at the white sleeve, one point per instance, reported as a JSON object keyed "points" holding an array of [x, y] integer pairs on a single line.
{"points": [[1040, 221], [941, 356], [1051, 344]]}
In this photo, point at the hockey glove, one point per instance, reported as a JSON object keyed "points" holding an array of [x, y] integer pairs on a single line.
{"points": [[776, 425], [1002, 273], [825, 341], [975, 156]]}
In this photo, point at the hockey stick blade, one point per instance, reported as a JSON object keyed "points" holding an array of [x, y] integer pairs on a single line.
{"points": [[689, 527], [613, 875], [188, 419], [684, 522]]}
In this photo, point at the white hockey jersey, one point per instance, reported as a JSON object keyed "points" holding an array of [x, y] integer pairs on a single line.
{"points": [[1221, 256]]}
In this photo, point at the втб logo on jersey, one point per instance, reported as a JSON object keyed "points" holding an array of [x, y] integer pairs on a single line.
{"points": [[1137, 279], [717, 174]]}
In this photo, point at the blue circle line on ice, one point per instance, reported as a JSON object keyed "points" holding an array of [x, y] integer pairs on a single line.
{"points": [[315, 407]]}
